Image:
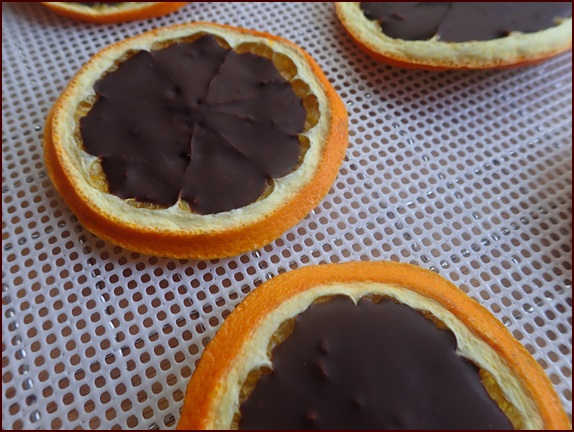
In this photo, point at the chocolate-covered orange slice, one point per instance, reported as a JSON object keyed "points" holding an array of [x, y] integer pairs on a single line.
{"points": [[197, 140], [112, 12], [379, 345], [457, 35]]}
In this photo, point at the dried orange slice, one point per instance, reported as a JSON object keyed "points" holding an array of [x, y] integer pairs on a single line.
{"points": [[413, 352], [456, 35], [198, 140], [113, 12]]}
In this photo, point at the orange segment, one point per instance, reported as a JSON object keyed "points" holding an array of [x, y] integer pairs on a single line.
{"points": [[238, 353]]}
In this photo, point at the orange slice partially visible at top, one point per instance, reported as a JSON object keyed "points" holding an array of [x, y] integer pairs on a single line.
{"points": [[113, 12], [459, 35]]}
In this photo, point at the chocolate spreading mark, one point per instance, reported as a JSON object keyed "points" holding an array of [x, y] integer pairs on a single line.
{"points": [[462, 22], [388, 367], [196, 121]]}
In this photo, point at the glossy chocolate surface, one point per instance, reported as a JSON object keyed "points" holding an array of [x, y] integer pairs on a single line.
{"points": [[462, 22], [194, 120], [369, 366]]}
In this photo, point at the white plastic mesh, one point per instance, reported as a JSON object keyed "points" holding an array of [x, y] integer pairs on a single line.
{"points": [[466, 173]]}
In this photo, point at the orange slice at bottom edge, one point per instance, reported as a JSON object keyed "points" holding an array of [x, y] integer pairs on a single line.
{"points": [[241, 357]]}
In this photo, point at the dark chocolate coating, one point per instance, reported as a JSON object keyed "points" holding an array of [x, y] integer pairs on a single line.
{"points": [[462, 22], [369, 366], [195, 121]]}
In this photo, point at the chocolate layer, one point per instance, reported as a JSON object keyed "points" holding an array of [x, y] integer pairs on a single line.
{"points": [[462, 22], [369, 366], [195, 121]]}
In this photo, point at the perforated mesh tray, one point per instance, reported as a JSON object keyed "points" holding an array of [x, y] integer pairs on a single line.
{"points": [[466, 173]]}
